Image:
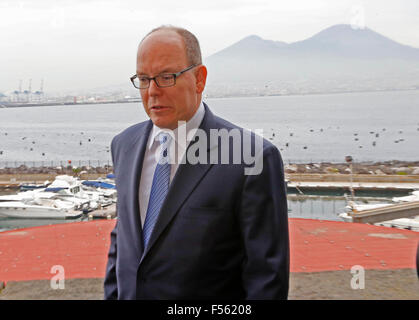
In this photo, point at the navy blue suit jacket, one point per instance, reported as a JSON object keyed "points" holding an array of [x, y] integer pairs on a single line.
{"points": [[220, 233]]}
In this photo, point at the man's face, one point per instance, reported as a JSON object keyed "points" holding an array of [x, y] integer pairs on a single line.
{"points": [[163, 52]]}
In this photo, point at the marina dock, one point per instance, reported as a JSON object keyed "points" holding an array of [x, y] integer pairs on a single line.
{"points": [[108, 212], [390, 212], [5, 185], [357, 186], [360, 183], [296, 182]]}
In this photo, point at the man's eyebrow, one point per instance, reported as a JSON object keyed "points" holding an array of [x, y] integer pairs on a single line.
{"points": [[166, 70]]}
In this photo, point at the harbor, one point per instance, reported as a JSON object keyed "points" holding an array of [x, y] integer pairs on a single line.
{"points": [[65, 198], [371, 188], [324, 245], [326, 238]]}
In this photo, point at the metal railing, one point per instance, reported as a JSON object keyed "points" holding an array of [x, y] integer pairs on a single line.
{"points": [[308, 161], [55, 164], [108, 163]]}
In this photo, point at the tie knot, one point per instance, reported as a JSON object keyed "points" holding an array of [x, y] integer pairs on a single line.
{"points": [[163, 137], [164, 140]]}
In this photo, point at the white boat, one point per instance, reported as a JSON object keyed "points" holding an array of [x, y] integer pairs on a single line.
{"points": [[413, 197], [28, 195], [411, 223], [403, 223], [56, 209], [355, 207], [64, 198]]}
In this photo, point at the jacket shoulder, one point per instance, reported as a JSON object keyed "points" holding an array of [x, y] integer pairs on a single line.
{"points": [[129, 135], [125, 140]]}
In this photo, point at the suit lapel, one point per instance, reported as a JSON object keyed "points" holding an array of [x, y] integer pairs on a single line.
{"points": [[133, 174], [186, 179]]}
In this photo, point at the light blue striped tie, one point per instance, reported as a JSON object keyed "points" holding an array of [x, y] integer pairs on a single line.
{"points": [[159, 188]]}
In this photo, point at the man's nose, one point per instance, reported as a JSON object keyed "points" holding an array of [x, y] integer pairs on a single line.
{"points": [[153, 89]]}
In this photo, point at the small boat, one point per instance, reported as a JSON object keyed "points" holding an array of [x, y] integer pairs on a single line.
{"points": [[411, 223], [66, 197], [32, 186], [56, 209], [98, 184], [354, 207], [414, 196], [28, 195], [63, 199]]}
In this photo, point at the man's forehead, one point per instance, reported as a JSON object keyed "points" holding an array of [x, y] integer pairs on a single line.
{"points": [[161, 38], [161, 48]]}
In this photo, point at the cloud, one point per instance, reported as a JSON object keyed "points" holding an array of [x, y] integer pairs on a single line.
{"points": [[94, 41]]}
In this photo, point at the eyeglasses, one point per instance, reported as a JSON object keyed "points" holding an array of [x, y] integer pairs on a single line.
{"points": [[162, 80]]}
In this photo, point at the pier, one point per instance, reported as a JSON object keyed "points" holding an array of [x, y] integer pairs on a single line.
{"points": [[362, 184], [390, 212]]}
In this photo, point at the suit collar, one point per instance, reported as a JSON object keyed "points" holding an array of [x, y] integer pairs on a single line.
{"points": [[136, 153]]}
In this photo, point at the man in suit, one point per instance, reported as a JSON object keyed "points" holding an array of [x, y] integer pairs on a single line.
{"points": [[188, 230]]}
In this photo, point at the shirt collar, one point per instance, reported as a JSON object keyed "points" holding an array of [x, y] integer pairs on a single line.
{"points": [[192, 124]]}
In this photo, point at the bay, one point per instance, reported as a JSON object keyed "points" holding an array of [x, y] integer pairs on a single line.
{"points": [[369, 126]]}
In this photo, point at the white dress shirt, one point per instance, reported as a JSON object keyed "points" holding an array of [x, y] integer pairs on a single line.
{"points": [[177, 149]]}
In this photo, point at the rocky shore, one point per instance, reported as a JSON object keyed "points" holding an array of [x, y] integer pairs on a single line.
{"points": [[370, 168], [69, 170]]}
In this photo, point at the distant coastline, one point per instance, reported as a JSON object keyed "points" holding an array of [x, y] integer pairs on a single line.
{"points": [[46, 104], [378, 168], [312, 93], [21, 105]]}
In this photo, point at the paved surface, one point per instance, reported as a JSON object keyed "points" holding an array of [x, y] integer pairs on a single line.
{"points": [[322, 255], [336, 285]]}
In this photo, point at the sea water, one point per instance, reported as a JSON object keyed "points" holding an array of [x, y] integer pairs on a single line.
{"points": [[369, 126]]}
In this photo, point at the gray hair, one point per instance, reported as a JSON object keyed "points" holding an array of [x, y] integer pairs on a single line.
{"points": [[192, 48]]}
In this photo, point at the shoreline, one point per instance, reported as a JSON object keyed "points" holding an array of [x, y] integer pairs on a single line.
{"points": [[370, 177], [50, 104], [22, 105], [368, 168]]}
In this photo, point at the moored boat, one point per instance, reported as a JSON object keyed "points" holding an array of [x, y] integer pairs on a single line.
{"points": [[56, 209]]}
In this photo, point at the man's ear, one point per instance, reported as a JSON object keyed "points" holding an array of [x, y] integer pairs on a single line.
{"points": [[201, 78]]}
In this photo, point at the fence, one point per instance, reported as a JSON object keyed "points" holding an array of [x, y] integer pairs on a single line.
{"points": [[308, 161], [55, 164], [108, 163]]}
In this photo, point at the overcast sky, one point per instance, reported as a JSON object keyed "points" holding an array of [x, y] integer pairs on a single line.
{"points": [[78, 44]]}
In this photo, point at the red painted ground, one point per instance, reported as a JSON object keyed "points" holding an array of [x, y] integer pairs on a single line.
{"points": [[81, 248]]}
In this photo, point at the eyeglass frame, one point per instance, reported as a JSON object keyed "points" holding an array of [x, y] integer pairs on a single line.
{"points": [[175, 75]]}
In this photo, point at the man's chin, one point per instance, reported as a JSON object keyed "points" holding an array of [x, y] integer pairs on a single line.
{"points": [[164, 124]]}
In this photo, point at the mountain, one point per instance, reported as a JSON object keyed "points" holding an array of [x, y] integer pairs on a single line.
{"points": [[333, 59], [252, 46], [360, 43]]}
